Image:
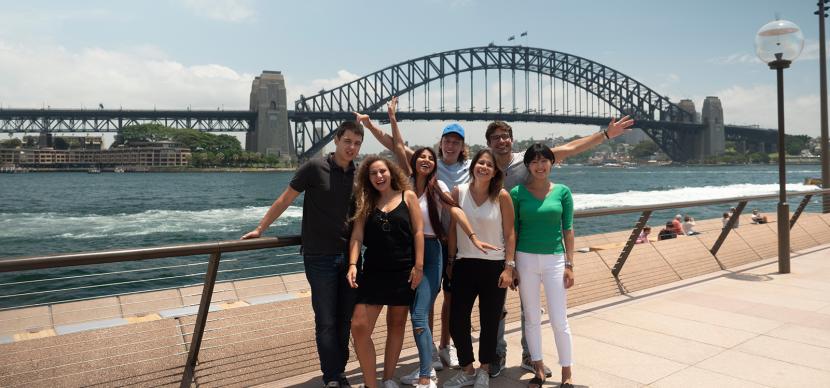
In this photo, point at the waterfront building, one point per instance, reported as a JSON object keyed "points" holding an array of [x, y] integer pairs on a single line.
{"points": [[156, 154]]}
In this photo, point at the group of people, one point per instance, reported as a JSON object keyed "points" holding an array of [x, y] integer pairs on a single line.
{"points": [[470, 226], [678, 226]]}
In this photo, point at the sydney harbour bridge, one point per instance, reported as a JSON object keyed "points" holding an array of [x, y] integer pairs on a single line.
{"points": [[510, 83]]}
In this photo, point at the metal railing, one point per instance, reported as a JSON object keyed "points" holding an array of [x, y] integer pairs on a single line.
{"points": [[216, 249]]}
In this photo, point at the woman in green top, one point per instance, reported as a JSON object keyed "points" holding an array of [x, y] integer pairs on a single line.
{"points": [[544, 256]]}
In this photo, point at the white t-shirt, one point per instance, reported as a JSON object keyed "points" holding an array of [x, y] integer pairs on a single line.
{"points": [[453, 174], [428, 230]]}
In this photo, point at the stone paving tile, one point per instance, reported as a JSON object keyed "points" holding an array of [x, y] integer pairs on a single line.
{"points": [[788, 351], [31, 318], [85, 311], [633, 338], [806, 335], [766, 371], [696, 377], [709, 315], [629, 364], [760, 295], [697, 331], [149, 302]]}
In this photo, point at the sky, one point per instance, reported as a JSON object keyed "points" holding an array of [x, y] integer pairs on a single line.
{"points": [[203, 54]]}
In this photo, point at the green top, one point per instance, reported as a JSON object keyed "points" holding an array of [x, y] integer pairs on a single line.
{"points": [[539, 224]]}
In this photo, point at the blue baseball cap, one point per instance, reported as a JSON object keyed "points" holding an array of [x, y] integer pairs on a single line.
{"points": [[454, 128]]}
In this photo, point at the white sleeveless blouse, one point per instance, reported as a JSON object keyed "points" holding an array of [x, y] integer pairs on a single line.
{"points": [[486, 222]]}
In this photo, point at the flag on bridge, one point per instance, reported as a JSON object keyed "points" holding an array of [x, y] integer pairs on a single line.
{"points": [[512, 37], [523, 34]]}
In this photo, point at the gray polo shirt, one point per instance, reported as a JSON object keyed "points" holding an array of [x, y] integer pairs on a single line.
{"points": [[326, 206], [516, 173]]}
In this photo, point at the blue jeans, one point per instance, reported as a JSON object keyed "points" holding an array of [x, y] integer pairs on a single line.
{"points": [[501, 345], [333, 302], [422, 304]]}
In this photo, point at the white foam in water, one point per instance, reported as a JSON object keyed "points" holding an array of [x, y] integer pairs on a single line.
{"points": [[22, 225], [637, 198]]}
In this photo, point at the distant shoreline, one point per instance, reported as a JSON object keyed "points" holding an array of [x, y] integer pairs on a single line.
{"points": [[168, 169]]}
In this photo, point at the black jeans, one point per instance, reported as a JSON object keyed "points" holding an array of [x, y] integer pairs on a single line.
{"points": [[471, 279], [333, 302]]}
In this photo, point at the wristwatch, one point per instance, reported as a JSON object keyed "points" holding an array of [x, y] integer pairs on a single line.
{"points": [[569, 264], [510, 263]]}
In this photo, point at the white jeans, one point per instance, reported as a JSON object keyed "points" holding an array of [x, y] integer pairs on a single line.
{"points": [[548, 270]]}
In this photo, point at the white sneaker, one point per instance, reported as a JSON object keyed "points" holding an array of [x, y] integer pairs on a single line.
{"points": [[482, 379], [413, 377], [430, 385], [461, 379], [389, 384], [449, 356], [436, 359]]}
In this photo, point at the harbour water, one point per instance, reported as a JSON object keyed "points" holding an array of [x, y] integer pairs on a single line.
{"points": [[51, 213]]}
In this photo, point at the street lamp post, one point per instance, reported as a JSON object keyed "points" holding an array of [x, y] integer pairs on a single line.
{"points": [[825, 154], [778, 43]]}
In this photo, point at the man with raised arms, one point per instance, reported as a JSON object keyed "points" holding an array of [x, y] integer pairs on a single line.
{"points": [[327, 183], [453, 170]]}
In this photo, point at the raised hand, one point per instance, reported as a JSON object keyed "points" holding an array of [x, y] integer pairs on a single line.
{"points": [[618, 127], [392, 107], [362, 118]]}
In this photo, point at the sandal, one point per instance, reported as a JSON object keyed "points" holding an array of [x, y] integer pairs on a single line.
{"points": [[536, 382], [566, 385]]}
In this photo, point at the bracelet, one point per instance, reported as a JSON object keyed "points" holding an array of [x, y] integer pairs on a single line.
{"points": [[470, 236], [605, 133], [418, 269], [450, 259], [352, 264]]}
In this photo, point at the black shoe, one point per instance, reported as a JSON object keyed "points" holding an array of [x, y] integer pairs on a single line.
{"points": [[344, 382], [497, 367]]}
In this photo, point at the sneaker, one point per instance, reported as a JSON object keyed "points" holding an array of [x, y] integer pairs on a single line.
{"points": [[449, 356], [527, 365], [332, 384], [436, 359], [413, 377], [344, 382], [482, 380], [389, 384], [497, 367], [461, 379], [430, 385]]}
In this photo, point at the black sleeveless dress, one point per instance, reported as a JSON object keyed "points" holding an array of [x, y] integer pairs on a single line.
{"points": [[388, 258]]}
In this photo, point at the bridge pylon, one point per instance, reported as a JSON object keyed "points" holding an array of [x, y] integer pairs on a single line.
{"points": [[272, 133]]}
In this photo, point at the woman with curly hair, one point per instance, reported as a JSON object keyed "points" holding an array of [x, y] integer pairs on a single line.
{"points": [[388, 222]]}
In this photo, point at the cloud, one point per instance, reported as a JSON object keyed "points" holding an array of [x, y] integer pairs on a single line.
{"points": [[233, 11], [138, 78], [809, 53], [756, 105], [314, 87], [736, 58]]}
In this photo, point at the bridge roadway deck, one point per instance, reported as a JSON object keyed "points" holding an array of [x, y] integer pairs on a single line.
{"points": [[674, 318]]}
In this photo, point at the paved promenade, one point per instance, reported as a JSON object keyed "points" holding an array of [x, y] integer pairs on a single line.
{"points": [[745, 327]]}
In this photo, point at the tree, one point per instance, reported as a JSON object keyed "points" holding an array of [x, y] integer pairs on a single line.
{"points": [[11, 143], [793, 144], [644, 150], [61, 144]]}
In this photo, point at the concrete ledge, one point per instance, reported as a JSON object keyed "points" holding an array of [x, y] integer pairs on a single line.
{"points": [[91, 325]]}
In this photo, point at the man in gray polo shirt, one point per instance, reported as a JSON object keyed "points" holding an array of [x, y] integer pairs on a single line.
{"points": [[327, 183]]}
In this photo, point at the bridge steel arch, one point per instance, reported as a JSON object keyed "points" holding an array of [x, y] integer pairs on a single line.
{"points": [[371, 92]]}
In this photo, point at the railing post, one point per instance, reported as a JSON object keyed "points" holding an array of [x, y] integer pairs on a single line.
{"points": [[201, 320], [629, 245], [801, 206], [726, 229]]}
